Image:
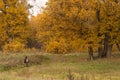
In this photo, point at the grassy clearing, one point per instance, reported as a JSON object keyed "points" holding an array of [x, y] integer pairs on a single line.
{"points": [[56, 67]]}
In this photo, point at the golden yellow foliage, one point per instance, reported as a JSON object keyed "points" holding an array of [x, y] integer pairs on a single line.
{"points": [[13, 24], [58, 47], [72, 25], [14, 46]]}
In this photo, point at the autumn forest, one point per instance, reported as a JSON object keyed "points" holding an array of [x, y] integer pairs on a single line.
{"points": [[63, 26]]}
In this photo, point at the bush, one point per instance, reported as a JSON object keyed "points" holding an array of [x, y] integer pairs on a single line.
{"points": [[13, 46], [59, 47]]}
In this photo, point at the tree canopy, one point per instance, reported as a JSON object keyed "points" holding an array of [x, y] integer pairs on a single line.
{"points": [[71, 25], [62, 26], [13, 24]]}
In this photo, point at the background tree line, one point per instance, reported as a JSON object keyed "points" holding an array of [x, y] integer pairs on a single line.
{"points": [[62, 27]]}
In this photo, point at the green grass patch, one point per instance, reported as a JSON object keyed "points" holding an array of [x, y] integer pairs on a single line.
{"points": [[56, 67]]}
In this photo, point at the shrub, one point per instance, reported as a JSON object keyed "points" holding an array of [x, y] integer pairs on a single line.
{"points": [[59, 47], [14, 46]]}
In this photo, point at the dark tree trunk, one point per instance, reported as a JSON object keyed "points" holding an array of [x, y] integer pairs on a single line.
{"points": [[106, 50], [109, 54], [98, 14], [100, 51], [90, 51], [106, 45], [118, 46]]}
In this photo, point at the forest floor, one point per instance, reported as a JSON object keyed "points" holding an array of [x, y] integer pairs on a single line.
{"points": [[45, 66]]}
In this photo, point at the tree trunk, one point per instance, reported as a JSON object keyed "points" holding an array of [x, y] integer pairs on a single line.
{"points": [[90, 51], [118, 46], [100, 51], [109, 51], [106, 45]]}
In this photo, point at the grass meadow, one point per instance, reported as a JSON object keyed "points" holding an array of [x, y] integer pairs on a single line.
{"points": [[45, 66]]}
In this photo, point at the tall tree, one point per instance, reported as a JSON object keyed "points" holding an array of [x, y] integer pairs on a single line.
{"points": [[108, 25], [56, 28], [13, 24], [65, 22]]}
